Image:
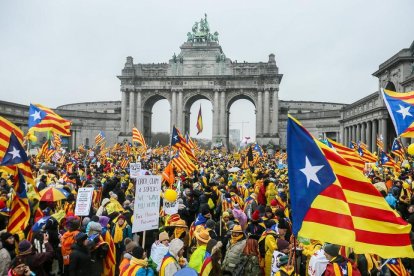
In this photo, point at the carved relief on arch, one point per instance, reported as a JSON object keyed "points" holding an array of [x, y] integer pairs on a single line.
{"points": [[189, 97], [151, 97], [233, 96]]}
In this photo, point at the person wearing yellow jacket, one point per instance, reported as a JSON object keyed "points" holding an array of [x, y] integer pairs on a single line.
{"points": [[270, 247]]}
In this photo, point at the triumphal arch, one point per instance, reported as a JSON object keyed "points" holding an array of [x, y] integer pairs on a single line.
{"points": [[201, 71]]}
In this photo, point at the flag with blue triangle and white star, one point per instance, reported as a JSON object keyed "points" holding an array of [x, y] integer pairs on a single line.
{"points": [[15, 152]]}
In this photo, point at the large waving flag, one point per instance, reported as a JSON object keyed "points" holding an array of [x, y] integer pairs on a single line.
{"points": [[42, 119], [20, 210], [199, 122], [7, 128], [401, 109], [334, 202], [348, 154], [137, 137], [178, 141], [15, 153]]}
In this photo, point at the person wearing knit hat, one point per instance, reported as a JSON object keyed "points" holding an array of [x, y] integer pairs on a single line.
{"points": [[232, 258], [36, 261], [138, 264], [94, 228], [255, 227], [338, 262], [197, 258], [159, 248], [129, 247], [211, 227], [171, 261], [120, 231]]}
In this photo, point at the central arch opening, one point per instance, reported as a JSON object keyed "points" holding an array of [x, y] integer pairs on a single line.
{"points": [[242, 121], [157, 121], [191, 111]]}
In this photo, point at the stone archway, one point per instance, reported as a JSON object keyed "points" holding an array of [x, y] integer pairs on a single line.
{"points": [[189, 100]]}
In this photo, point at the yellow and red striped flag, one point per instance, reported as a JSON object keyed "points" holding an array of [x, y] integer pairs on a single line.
{"points": [[199, 122], [42, 118], [334, 202], [348, 154], [20, 209], [178, 141], [124, 163], [137, 137], [110, 259], [7, 128], [365, 154], [57, 141]]}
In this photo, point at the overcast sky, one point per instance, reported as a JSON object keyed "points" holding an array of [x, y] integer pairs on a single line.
{"points": [[57, 52]]}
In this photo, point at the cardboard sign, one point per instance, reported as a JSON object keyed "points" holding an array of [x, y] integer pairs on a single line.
{"points": [[134, 169], [147, 203], [83, 201], [170, 208]]}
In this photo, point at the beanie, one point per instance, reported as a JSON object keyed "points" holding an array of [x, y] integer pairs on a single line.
{"points": [[332, 249], [256, 215], [25, 247], [138, 252], [210, 224], [129, 245]]}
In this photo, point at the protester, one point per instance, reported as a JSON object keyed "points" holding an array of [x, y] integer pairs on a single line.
{"points": [[170, 264], [80, 259], [233, 261], [36, 261], [338, 263]]}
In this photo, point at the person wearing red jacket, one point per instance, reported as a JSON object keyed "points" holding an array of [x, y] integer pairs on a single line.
{"points": [[338, 265]]}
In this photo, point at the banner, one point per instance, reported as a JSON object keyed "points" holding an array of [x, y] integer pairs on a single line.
{"points": [[170, 208], [147, 203], [83, 201], [134, 169]]}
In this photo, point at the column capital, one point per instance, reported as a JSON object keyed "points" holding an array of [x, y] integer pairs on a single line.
{"points": [[138, 90]]}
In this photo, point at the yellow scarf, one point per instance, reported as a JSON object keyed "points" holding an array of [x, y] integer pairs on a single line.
{"points": [[236, 239], [337, 269], [119, 232], [178, 231]]}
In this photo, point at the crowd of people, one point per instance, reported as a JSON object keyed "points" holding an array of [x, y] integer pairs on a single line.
{"points": [[231, 220]]}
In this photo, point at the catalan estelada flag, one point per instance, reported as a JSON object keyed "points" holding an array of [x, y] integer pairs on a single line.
{"points": [[334, 202], [365, 154], [178, 141], [397, 149], [7, 128], [199, 122], [42, 119], [348, 154], [100, 137], [401, 109], [20, 210], [137, 137]]}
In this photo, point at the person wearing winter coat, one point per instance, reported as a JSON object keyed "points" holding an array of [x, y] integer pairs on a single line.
{"points": [[138, 266], [5, 260], [129, 247], [120, 231], [338, 263], [7, 239], [212, 262], [98, 248], [233, 258], [197, 258], [170, 264], [251, 265], [36, 261], [102, 209], [159, 248], [19, 268], [80, 259]]}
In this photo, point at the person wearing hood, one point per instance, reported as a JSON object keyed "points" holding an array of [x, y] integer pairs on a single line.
{"points": [[171, 262], [138, 264], [68, 239], [98, 248], [36, 261], [7, 239], [80, 259], [102, 209], [159, 248], [211, 227], [233, 258], [5, 260]]}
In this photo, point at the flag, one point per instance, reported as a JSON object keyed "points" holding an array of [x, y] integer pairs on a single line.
{"points": [[182, 162], [397, 149], [57, 141], [124, 163], [20, 210], [365, 154], [400, 107], [334, 202], [258, 149], [127, 149], [348, 154], [7, 128], [199, 122], [43, 119], [168, 174], [178, 141], [15, 152], [380, 143], [100, 137], [387, 161], [110, 259], [137, 137], [396, 266]]}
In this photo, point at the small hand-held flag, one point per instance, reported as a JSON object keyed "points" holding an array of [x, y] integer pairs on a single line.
{"points": [[100, 137], [199, 122]]}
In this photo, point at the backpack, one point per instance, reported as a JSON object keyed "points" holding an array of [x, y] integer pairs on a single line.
{"points": [[67, 240]]}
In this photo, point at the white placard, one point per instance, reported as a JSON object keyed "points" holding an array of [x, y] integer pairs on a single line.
{"points": [[83, 201], [147, 203], [170, 208], [134, 169]]}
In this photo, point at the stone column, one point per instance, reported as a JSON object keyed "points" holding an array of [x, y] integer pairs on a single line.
{"points": [[139, 121], [180, 124], [340, 135], [352, 133], [384, 133], [173, 108], [131, 111], [259, 114], [358, 133], [368, 135], [374, 135], [123, 111], [275, 117], [266, 112], [363, 134], [216, 116], [344, 140], [223, 115]]}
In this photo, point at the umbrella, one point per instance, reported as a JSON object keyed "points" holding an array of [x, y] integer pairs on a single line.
{"points": [[39, 224], [234, 169], [51, 194], [187, 271]]}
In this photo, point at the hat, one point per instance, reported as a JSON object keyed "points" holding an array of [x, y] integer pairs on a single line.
{"points": [[225, 214], [273, 203], [282, 244], [268, 209], [179, 223], [331, 249], [4, 236], [120, 217], [25, 247], [95, 226], [205, 211], [129, 245], [103, 221], [210, 224], [85, 221], [256, 215], [203, 236], [81, 237], [237, 229], [138, 252], [282, 224], [163, 236], [105, 201]]}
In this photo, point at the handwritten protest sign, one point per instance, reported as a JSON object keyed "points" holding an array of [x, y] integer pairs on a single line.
{"points": [[83, 201]]}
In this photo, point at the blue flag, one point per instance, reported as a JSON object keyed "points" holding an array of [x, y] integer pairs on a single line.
{"points": [[36, 115], [15, 153]]}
